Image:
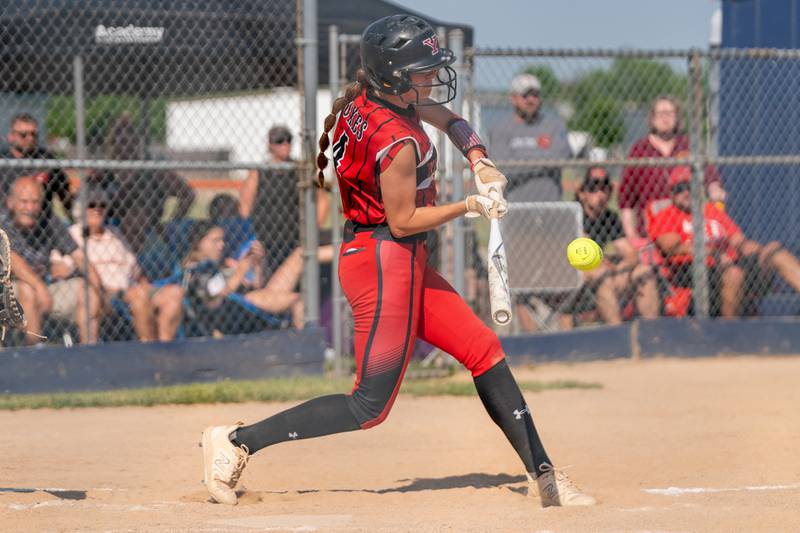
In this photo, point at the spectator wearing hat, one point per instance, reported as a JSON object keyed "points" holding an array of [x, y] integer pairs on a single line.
{"points": [[270, 199], [739, 268], [529, 133], [620, 278], [640, 186], [120, 275]]}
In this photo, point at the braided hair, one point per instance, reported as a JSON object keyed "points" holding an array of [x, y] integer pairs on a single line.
{"points": [[350, 94]]}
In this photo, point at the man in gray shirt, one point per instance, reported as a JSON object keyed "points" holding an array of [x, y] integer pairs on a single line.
{"points": [[528, 134]]}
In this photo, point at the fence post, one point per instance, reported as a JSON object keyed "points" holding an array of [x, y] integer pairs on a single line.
{"points": [[336, 227], [80, 140], [697, 147], [308, 44], [456, 43], [443, 232]]}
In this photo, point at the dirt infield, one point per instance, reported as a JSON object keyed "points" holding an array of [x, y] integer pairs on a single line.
{"points": [[665, 445]]}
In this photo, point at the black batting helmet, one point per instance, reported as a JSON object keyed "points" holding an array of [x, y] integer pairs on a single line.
{"points": [[396, 46]]}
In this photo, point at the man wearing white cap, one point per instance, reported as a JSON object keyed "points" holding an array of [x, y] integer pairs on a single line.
{"points": [[529, 134]]}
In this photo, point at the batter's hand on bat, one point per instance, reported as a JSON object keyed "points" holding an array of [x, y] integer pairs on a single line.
{"points": [[489, 181], [484, 206]]}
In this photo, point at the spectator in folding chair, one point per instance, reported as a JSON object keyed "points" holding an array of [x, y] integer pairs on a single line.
{"points": [[223, 210], [230, 297], [738, 268], [42, 287], [125, 289], [621, 278]]}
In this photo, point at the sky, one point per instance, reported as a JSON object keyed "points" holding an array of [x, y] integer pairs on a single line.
{"points": [[577, 23]]}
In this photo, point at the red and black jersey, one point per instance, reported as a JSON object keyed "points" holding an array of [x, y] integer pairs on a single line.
{"points": [[368, 134]]}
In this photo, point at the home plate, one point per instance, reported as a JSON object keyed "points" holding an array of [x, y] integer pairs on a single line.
{"points": [[291, 522]]}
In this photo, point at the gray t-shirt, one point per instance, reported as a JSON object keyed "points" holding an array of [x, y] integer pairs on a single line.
{"points": [[34, 245], [509, 138]]}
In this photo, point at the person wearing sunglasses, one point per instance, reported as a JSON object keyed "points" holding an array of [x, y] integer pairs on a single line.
{"points": [[620, 278], [526, 134], [155, 310], [23, 143], [740, 270], [270, 199]]}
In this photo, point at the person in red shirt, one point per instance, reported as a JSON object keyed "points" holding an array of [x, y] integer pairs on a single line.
{"points": [[734, 261], [621, 277], [385, 165], [639, 185]]}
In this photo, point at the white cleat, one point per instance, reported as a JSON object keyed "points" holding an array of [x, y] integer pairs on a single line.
{"points": [[556, 489], [223, 463]]}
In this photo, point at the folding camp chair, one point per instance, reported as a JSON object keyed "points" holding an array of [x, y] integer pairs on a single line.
{"points": [[536, 235]]}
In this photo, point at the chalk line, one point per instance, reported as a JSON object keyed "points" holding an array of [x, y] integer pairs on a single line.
{"points": [[677, 491]]}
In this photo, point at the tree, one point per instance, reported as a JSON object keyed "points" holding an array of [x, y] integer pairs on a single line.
{"points": [[100, 112], [601, 117], [601, 96]]}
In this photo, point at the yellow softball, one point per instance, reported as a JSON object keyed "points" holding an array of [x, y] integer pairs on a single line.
{"points": [[584, 254]]}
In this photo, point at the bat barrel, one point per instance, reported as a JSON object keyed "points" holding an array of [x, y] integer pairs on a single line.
{"points": [[501, 317], [499, 294]]}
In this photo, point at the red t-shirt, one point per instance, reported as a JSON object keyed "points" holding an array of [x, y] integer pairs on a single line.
{"points": [[641, 185], [369, 133], [719, 228]]}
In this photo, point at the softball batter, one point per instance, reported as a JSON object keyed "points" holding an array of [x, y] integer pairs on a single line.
{"points": [[385, 164]]}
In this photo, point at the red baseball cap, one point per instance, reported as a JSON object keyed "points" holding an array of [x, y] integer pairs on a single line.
{"points": [[679, 175]]}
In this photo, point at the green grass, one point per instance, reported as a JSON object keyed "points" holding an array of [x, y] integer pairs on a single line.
{"points": [[267, 390]]}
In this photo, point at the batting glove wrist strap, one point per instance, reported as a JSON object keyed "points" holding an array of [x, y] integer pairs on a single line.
{"points": [[464, 137]]}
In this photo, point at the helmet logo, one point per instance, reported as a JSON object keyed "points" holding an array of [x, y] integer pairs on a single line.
{"points": [[433, 42]]}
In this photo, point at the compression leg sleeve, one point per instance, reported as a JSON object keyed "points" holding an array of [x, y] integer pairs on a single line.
{"points": [[504, 402]]}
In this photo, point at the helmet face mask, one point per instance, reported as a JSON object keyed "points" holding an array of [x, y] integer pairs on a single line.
{"points": [[395, 47], [442, 89]]}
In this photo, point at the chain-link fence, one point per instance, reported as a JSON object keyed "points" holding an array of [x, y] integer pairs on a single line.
{"points": [[176, 197], [640, 151], [152, 184]]}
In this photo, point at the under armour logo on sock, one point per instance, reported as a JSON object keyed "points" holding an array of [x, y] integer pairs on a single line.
{"points": [[518, 414], [293, 435]]}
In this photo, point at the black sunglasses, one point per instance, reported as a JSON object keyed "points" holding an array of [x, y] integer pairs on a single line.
{"points": [[95, 205], [532, 92], [597, 185], [681, 187], [281, 140], [26, 134]]}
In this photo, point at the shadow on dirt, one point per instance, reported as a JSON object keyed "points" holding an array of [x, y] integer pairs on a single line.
{"points": [[58, 493], [475, 481]]}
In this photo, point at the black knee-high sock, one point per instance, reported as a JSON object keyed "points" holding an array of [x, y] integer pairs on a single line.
{"points": [[503, 400], [321, 416]]}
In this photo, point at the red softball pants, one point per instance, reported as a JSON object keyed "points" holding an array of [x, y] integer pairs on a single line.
{"points": [[397, 298]]}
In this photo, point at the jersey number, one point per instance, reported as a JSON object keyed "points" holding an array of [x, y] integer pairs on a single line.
{"points": [[339, 149]]}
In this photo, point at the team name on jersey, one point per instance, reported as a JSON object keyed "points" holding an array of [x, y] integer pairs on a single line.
{"points": [[355, 122]]}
